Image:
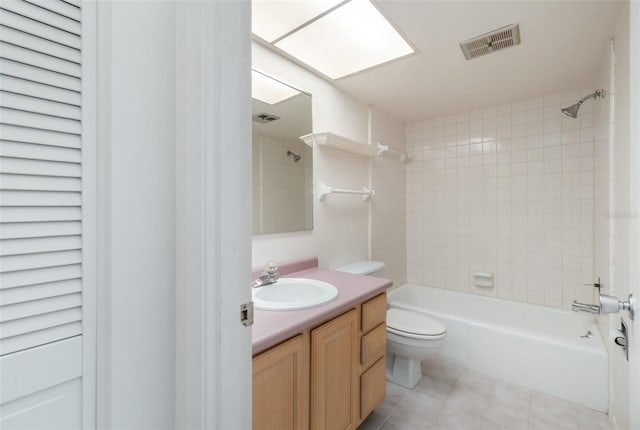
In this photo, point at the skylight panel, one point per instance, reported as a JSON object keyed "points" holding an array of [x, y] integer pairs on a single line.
{"points": [[273, 19], [269, 90], [349, 39]]}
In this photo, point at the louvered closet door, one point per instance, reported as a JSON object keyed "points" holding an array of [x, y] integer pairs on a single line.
{"points": [[40, 214]]}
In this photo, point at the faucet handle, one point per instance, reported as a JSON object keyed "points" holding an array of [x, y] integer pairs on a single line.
{"points": [[271, 268]]}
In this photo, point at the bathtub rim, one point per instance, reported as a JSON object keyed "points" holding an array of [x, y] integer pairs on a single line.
{"points": [[596, 344]]}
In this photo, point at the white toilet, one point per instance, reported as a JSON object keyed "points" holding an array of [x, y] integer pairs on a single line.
{"points": [[411, 336]]}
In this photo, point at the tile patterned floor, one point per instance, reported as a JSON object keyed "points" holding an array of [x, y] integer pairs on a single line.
{"points": [[453, 398]]}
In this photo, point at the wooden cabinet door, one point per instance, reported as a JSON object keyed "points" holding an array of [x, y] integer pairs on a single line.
{"points": [[280, 387], [334, 374]]}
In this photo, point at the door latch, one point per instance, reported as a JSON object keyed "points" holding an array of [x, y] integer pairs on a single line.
{"points": [[623, 340], [246, 314]]}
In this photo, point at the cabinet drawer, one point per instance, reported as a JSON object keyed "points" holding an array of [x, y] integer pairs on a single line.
{"points": [[372, 387], [374, 312], [373, 345]]}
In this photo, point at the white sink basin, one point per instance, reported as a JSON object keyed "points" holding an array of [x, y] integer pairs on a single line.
{"points": [[293, 293]]}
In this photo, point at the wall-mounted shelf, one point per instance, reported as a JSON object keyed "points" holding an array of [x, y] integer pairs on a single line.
{"points": [[404, 156], [339, 142]]}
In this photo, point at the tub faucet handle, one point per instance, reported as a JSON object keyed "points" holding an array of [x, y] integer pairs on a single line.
{"points": [[611, 305]]}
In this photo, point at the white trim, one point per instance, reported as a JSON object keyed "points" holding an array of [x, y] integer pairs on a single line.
{"points": [[213, 214], [103, 185], [634, 136], [89, 213]]}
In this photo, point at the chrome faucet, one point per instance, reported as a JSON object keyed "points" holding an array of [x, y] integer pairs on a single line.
{"points": [[270, 275], [607, 304], [583, 307]]}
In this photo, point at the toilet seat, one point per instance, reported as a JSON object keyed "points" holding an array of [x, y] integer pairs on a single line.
{"points": [[414, 325]]}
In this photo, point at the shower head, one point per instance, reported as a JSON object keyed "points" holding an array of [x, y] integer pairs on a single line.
{"points": [[572, 111], [296, 157]]}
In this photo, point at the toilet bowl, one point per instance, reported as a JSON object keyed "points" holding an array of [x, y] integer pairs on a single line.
{"points": [[411, 336]]}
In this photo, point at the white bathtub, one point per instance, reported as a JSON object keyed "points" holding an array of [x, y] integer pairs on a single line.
{"points": [[534, 346]]}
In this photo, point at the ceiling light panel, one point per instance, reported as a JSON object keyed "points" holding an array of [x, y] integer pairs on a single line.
{"points": [[269, 90], [273, 19], [349, 39]]}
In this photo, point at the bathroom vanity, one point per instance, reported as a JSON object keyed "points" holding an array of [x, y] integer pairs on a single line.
{"points": [[322, 368]]}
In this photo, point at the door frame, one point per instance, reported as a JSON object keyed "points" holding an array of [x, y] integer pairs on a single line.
{"points": [[634, 136], [89, 213], [213, 214], [212, 209]]}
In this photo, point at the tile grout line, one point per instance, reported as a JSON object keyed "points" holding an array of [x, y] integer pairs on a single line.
{"points": [[392, 410]]}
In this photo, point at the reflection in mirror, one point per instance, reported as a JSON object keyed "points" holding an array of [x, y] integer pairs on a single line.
{"points": [[282, 162]]}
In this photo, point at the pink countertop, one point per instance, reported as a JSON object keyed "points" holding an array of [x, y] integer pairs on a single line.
{"points": [[273, 327]]}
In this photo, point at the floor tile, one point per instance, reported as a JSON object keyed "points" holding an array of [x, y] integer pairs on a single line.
{"points": [[507, 417], [510, 394], [551, 411], [592, 420], [434, 387], [488, 425], [442, 370], [415, 411], [546, 423], [476, 382], [395, 392], [453, 398], [510, 406], [452, 417], [468, 400], [374, 421]]}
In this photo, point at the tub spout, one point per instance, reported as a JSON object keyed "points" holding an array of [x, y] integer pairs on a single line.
{"points": [[583, 307]]}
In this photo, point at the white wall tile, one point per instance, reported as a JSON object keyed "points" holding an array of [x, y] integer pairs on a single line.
{"points": [[506, 197]]}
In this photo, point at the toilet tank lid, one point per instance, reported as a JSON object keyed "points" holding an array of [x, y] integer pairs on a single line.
{"points": [[362, 267]]}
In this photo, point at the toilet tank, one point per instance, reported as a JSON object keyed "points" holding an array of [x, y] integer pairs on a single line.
{"points": [[368, 267]]}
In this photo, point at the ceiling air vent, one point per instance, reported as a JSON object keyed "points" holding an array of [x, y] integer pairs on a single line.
{"points": [[490, 42], [264, 117]]}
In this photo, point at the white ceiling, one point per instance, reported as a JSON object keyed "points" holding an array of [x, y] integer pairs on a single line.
{"points": [[562, 43], [295, 118]]}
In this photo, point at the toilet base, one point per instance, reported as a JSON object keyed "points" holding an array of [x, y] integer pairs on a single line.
{"points": [[403, 371]]}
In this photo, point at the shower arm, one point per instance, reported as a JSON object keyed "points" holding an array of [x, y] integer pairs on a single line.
{"points": [[596, 94]]}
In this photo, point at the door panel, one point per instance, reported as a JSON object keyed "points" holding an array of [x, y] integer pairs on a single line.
{"points": [[43, 209]]}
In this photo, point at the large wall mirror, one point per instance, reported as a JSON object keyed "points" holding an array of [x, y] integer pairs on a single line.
{"points": [[282, 162]]}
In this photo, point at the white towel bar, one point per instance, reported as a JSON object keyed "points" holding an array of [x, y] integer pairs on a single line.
{"points": [[323, 190]]}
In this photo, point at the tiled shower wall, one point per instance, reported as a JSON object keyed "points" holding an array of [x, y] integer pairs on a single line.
{"points": [[509, 190], [284, 202]]}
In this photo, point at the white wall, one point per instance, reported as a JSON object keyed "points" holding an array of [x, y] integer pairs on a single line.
{"points": [[614, 211], [340, 224], [345, 229], [507, 190], [137, 133]]}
